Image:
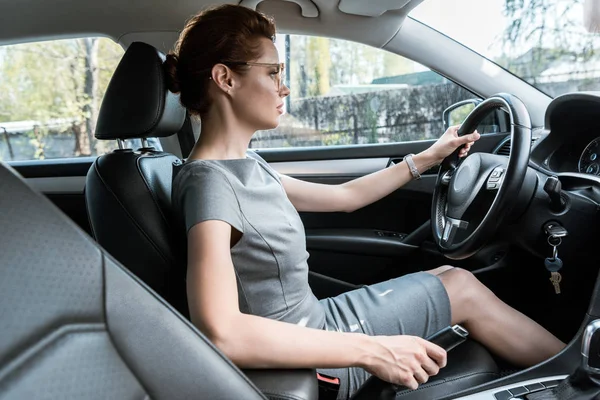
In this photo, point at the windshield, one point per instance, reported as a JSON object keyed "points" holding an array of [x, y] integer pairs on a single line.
{"points": [[543, 42]]}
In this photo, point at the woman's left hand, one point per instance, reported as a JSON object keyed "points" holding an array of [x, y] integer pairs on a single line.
{"points": [[450, 141]]}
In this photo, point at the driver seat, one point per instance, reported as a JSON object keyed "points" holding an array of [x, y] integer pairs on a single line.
{"points": [[128, 199]]}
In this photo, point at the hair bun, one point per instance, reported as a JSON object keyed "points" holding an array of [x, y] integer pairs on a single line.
{"points": [[170, 66]]}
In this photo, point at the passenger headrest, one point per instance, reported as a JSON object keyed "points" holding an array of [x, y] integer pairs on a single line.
{"points": [[137, 103]]}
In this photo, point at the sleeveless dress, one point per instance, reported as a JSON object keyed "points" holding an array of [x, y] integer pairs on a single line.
{"points": [[271, 262]]}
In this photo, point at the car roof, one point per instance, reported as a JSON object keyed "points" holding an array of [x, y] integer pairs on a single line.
{"points": [[158, 22]]}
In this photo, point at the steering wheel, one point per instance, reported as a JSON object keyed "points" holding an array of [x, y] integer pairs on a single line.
{"points": [[459, 184], [459, 231]]}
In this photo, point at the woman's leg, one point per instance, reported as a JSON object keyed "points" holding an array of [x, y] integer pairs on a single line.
{"points": [[499, 327]]}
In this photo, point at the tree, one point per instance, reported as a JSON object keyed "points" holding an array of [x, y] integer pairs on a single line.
{"points": [[540, 32], [57, 80]]}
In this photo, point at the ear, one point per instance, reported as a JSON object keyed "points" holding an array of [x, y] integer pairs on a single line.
{"points": [[223, 77]]}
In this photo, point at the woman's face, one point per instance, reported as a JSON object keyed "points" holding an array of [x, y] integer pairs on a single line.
{"points": [[259, 96]]}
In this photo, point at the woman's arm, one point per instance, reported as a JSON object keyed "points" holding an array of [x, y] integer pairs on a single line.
{"points": [[256, 342], [355, 194]]}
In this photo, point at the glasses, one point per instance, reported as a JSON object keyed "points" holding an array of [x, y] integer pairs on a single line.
{"points": [[275, 76]]}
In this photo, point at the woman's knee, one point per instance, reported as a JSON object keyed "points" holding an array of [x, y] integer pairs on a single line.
{"points": [[461, 285]]}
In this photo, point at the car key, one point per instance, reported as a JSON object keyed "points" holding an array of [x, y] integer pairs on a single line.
{"points": [[553, 265]]}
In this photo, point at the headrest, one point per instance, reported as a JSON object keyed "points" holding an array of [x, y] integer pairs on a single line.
{"points": [[137, 103]]}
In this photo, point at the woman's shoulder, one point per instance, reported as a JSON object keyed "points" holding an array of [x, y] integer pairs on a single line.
{"points": [[194, 168], [198, 173]]}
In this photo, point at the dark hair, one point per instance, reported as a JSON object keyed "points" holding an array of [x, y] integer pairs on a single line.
{"points": [[220, 34]]}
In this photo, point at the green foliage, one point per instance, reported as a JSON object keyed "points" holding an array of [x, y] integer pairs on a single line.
{"points": [[337, 139], [46, 81], [458, 115], [319, 64], [542, 32], [33, 83]]}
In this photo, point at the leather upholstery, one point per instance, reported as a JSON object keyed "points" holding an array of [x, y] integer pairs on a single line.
{"points": [[469, 365], [128, 195], [76, 324], [137, 103]]}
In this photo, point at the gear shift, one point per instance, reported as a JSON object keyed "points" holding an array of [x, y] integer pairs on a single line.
{"points": [[584, 382], [590, 349]]}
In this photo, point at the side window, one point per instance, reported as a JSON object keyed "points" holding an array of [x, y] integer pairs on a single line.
{"points": [[50, 94], [346, 93]]}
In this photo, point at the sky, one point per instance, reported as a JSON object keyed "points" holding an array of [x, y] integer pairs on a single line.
{"points": [[475, 23]]}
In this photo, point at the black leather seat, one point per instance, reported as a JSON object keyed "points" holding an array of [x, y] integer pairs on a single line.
{"points": [[128, 194], [75, 324]]}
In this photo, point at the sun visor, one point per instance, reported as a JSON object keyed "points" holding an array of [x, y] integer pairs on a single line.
{"points": [[591, 15], [375, 8], [309, 9]]}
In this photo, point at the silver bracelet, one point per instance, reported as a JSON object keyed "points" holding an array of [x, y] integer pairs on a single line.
{"points": [[411, 166]]}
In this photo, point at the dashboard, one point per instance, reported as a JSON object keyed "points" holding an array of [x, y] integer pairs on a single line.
{"points": [[572, 130], [577, 151], [588, 160]]}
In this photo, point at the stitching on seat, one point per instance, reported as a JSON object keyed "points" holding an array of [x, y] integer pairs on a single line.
{"points": [[110, 337], [154, 196], [96, 167], [441, 382], [46, 341]]}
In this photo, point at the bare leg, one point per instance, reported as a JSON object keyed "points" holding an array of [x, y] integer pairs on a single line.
{"points": [[502, 329]]}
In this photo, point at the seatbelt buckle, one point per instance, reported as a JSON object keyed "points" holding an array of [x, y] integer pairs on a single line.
{"points": [[329, 386]]}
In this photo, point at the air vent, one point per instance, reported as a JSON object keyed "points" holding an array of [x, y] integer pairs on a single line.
{"points": [[504, 148]]}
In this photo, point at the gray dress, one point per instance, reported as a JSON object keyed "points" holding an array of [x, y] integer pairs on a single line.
{"points": [[270, 260]]}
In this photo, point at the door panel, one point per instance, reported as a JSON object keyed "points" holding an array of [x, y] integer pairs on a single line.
{"points": [[62, 181], [386, 239], [383, 240]]}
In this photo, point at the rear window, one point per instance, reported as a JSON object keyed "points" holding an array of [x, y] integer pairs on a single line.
{"points": [[51, 92]]}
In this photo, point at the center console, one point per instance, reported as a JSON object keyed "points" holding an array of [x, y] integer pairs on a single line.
{"points": [[517, 391]]}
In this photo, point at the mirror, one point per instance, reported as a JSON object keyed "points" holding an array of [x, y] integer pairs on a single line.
{"points": [[457, 112], [591, 15], [497, 121]]}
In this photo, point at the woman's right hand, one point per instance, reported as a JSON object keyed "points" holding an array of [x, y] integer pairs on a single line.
{"points": [[405, 360]]}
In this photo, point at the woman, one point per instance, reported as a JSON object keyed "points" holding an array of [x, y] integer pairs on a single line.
{"points": [[247, 277]]}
